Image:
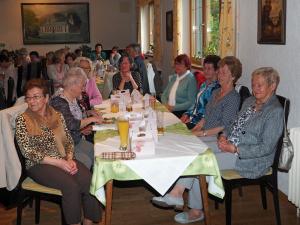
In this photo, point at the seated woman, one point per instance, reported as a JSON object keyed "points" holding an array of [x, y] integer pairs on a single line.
{"points": [[253, 137], [180, 93], [196, 113], [114, 56], [58, 69], [126, 78], [223, 106], [48, 149], [66, 103], [95, 97]]}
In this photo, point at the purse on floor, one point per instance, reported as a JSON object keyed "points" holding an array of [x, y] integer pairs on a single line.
{"points": [[287, 150]]}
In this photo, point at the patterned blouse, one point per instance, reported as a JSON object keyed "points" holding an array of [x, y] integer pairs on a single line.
{"points": [[35, 148], [204, 95], [238, 125], [223, 112], [117, 80]]}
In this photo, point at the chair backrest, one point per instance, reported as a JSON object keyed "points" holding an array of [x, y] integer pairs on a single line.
{"points": [[22, 161], [243, 92], [284, 102]]}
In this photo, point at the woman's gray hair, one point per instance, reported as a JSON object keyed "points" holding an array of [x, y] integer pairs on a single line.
{"points": [[74, 76], [81, 58], [269, 74]]}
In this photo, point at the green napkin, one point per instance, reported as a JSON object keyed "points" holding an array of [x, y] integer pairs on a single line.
{"points": [[104, 134]]}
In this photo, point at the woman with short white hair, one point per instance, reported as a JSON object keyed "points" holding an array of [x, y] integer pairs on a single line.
{"points": [[76, 120], [95, 97]]}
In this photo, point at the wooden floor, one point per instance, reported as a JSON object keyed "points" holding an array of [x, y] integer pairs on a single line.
{"points": [[131, 206]]}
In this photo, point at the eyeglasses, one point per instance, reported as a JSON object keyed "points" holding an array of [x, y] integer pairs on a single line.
{"points": [[35, 98]]}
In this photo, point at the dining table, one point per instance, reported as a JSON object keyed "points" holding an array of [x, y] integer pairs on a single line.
{"points": [[177, 153]]}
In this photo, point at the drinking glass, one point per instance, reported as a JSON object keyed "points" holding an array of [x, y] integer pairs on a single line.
{"points": [[114, 106], [123, 127], [160, 122]]}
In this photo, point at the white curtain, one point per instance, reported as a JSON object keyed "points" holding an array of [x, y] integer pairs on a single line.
{"points": [[144, 28]]}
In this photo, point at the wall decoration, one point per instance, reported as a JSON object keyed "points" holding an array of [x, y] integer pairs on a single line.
{"points": [[271, 22], [55, 23], [169, 26]]}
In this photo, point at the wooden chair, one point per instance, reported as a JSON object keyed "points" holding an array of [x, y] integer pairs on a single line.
{"points": [[231, 178], [30, 190]]}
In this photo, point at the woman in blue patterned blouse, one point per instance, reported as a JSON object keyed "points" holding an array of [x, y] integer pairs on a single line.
{"points": [[195, 114]]}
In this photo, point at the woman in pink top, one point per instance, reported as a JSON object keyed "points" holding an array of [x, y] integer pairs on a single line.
{"points": [[92, 90]]}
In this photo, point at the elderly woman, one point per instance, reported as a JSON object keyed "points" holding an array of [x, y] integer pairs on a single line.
{"points": [[66, 103], [220, 112], [58, 69], [252, 139], [95, 97], [180, 93], [222, 108], [48, 149], [126, 78], [196, 113]]}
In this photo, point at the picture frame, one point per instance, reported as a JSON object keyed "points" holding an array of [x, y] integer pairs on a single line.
{"points": [[169, 26], [271, 27], [55, 23]]}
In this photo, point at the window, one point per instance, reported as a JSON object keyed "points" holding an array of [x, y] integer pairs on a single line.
{"points": [[147, 27], [204, 31]]}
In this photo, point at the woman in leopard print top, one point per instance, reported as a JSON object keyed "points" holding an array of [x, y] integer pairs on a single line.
{"points": [[48, 148]]}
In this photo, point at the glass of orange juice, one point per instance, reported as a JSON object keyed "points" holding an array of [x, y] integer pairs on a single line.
{"points": [[114, 106], [123, 127]]}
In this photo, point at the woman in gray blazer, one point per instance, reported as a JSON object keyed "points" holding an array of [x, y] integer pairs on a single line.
{"points": [[252, 139]]}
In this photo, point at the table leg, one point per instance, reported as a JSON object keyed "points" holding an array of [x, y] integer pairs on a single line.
{"points": [[204, 193], [109, 192]]}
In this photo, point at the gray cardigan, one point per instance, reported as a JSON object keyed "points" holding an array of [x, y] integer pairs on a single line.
{"points": [[259, 138]]}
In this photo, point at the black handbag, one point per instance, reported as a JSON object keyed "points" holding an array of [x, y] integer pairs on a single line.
{"points": [[287, 150]]}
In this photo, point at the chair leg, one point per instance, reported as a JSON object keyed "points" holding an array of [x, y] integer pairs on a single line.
{"points": [[263, 195], [63, 221], [228, 201], [276, 205], [19, 214], [37, 209]]}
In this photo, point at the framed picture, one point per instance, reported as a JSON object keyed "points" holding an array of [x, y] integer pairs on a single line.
{"points": [[169, 26], [271, 22], [55, 23]]}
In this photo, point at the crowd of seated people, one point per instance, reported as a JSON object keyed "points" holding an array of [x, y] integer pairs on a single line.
{"points": [[208, 110]]}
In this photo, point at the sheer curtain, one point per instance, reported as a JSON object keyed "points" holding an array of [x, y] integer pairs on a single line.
{"points": [[144, 28], [228, 28]]}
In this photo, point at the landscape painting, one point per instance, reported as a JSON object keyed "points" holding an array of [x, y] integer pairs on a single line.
{"points": [[55, 23]]}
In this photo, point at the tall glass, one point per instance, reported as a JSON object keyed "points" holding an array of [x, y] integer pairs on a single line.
{"points": [[123, 127], [160, 122]]}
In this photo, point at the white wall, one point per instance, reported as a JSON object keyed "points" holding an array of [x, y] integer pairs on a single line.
{"points": [[284, 58], [112, 22]]}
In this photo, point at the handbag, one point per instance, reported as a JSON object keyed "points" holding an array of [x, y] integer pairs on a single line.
{"points": [[287, 150]]}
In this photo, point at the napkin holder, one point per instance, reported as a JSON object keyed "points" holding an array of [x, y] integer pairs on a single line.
{"points": [[142, 143]]}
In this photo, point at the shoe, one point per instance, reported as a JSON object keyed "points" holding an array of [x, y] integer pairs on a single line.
{"points": [[184, 218], [168, 202]]}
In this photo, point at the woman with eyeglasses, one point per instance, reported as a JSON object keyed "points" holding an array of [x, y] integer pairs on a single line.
{"points": [[48, 149], [78, 121], [91, 89]]}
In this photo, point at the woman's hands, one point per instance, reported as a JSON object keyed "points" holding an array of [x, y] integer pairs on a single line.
{"points": [[185, 118], [225, 145], [69, 166]]}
